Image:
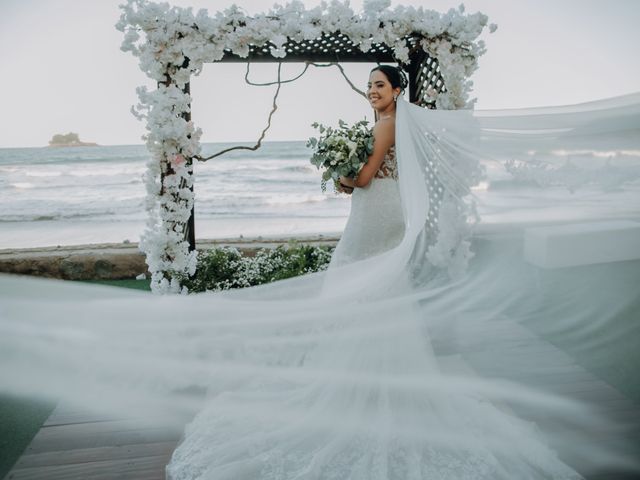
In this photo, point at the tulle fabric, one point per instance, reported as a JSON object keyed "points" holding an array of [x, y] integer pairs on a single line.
{"points": [[356, 420], [434, 358]]}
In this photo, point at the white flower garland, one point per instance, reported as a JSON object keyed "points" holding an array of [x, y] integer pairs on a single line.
{"points": [[170, 35]]}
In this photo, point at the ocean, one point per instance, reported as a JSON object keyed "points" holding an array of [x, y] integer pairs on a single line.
{"points": [[77, 195], [83, 195]]}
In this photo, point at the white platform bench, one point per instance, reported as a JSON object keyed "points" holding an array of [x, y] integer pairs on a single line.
{"points": [[582, 244]]}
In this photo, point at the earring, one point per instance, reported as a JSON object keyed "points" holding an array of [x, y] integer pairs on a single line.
{"points": [[395, 97]]}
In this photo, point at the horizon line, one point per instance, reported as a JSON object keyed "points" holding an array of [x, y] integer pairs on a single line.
{"points": [[142, 144]]}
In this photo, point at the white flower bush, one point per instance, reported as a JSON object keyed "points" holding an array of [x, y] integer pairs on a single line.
{"points": [[224, 268], [174, 43]]}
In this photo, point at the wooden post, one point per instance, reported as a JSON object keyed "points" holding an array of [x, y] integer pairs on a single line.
{"points": [[190, 227], [415, 64]]}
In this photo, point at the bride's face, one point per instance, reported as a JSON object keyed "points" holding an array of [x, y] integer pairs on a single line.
{"points": [[379, 90]]}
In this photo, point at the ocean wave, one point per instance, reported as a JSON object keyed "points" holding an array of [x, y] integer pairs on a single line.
{"points": [[107, 172], [45, 156], [294, 199], [281, 181], [75, 188], [44, 218], [256, 214], [277, 168], [62, 216], [22, 185], [41, 173]]}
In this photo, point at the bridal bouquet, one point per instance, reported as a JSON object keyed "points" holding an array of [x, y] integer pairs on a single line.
{"points": [[341, 151]]}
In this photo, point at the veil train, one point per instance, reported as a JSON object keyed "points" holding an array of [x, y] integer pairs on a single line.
{"points": [[450, 355]]}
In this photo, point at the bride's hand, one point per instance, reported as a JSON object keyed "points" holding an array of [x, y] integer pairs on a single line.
{"points": [[345, 185]]}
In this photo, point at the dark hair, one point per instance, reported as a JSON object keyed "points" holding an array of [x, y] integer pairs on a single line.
{"points": [[395, 75]]}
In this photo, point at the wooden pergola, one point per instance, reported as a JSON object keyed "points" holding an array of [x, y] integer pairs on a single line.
{"points": [[422, 70]]}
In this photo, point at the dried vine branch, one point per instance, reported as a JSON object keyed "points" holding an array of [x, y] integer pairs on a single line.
{"points": [[274, 106], [335, 64], [255, 84], [306, 66]]}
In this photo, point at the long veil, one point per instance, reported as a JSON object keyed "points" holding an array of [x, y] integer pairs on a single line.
{"points": [[481, 346]]}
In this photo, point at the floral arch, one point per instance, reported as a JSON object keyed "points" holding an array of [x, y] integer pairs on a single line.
{"points": [[439, 51]]}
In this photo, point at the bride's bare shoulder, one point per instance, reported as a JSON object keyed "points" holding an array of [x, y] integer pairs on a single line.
{"points": [[385, 129]]}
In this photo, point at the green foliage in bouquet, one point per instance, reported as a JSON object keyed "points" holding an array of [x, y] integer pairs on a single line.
{"points": [[224, 268], [341, 151]]}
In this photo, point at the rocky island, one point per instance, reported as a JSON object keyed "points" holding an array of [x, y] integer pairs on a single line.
{"points": [[69, 140]]}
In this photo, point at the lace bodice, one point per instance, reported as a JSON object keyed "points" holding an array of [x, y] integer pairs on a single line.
{"points": [[389, 167]]}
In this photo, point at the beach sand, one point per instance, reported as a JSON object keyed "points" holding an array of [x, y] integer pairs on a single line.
{"points": [[45, 233]]}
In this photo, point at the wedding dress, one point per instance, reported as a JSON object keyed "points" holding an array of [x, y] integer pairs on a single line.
{"points": [[375, 223], [421, 353]]}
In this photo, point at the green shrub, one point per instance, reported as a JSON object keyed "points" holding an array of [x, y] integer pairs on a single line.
{"points": [[223, 268]]}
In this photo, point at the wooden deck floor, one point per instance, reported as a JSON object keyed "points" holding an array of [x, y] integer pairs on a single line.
{"points": [[75, 444], [554, 371], [79, 444]]}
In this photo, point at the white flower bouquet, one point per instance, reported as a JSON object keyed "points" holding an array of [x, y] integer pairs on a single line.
{"points": [[341, 151]]}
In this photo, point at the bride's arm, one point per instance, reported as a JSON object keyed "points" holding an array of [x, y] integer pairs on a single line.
{"points": [[383, 139]]}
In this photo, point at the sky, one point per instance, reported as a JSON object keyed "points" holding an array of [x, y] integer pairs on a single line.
{"points": [[62, 70]]}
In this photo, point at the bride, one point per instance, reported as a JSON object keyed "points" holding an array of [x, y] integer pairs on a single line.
{"points": [[419, 354], [375, 223]]}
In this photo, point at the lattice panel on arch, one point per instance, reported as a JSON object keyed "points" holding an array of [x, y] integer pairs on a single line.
{"points": [[428, 77], [335, 44], [326, 48]]}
